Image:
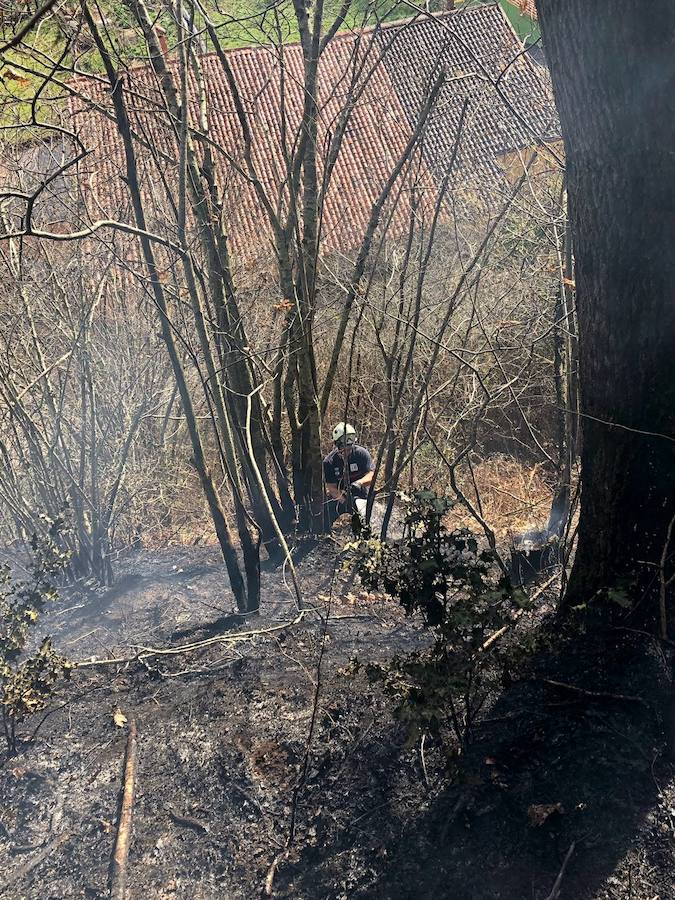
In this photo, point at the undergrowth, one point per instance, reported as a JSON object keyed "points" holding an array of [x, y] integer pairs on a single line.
{"points": [[444, 577], [27, 681]]}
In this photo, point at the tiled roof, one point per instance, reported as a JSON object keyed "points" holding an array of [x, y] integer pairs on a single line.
{"points": [[473, 46], [377, 134]]}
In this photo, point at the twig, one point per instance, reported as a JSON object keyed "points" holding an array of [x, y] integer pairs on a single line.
{"points": [[26, 27], [600, 695], [555, 893], [368, 813], [31, 864], [545, 586], [189, 822], [424, 764], [147, 652], [355, 746], [118, 869], [312, 722], [50, 712], [648, 634], [457, 809], [501, 631], [269, 881], [247, 798], [663, 583]]}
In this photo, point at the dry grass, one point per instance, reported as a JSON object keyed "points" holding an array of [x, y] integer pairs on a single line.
{"points": [[513, 497]]}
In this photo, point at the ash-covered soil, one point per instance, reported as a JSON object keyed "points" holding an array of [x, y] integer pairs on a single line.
{"points": [[266, 769]]}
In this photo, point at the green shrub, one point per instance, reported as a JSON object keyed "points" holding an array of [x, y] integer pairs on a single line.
{"points": [[455, 587], [27, 681]]}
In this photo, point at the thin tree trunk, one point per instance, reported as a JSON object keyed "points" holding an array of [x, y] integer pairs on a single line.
{"points": [[562, 361], [220, 523], [305, 289], [221, 288]]}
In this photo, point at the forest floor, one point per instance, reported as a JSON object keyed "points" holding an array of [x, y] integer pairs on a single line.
{"points": [[564, 792]]}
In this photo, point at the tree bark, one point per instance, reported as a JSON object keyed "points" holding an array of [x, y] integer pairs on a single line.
{"points": [[233, 340], [311, 500], [564, 365], [613, 72]]}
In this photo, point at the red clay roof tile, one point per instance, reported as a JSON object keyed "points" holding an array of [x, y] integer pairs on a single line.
{"points": [[474, 47]]}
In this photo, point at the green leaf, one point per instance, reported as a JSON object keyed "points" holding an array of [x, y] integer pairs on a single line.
{"points": [[620, 597]]}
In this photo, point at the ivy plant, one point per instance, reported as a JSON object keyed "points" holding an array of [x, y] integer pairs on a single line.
{"points": [[445, 578]]}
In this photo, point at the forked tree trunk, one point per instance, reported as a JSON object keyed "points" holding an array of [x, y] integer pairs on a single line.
{"points": [[613, 70], [208, 486], [311, 499], [203, 192]]}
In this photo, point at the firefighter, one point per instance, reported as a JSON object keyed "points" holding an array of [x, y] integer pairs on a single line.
{"points": [[347, 493]]}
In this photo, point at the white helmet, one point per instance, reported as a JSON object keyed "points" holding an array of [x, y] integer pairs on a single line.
{"points": [[344, 433]]}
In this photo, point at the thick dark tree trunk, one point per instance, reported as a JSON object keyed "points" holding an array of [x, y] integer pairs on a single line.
{"points": [[613, 70]]}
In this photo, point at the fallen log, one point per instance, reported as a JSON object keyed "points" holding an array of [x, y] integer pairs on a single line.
{"points": [[148, 652], [118, 867]]}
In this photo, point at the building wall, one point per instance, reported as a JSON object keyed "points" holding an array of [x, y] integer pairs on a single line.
{"points": [[527, 8]]}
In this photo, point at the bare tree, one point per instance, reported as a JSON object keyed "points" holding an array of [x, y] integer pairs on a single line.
{"points": [[396, 315]]}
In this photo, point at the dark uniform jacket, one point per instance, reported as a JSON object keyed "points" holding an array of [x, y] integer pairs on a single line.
{"points": [[359, 462]]}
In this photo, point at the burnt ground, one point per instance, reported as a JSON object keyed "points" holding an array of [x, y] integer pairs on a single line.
{"points": [[227, 766]]}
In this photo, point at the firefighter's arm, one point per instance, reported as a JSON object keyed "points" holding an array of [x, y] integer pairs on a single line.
{"points": [[365, 480]]}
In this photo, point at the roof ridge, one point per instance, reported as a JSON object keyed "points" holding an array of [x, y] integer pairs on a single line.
{"points": [[419, 18]]}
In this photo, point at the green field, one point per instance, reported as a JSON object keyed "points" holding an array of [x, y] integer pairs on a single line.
{"points": [[526, 28], [246, 22]]}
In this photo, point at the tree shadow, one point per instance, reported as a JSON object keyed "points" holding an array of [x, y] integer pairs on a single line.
{"points": [[550, 768]]}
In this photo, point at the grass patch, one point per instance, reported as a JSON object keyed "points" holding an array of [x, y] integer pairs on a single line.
{"points": [[526, 28], [24, 97]]}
